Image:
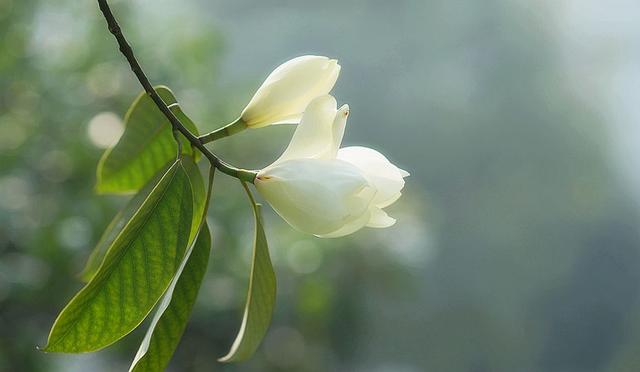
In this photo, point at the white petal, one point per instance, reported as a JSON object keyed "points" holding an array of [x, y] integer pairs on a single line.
{"points": [[313, 136], [297, 67], [392, 199], [316, 196], [384, 176], [288, 90], [338, 127], [291, 119], [349, 228], [380, 219]]}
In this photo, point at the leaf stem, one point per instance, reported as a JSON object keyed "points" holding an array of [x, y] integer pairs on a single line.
{"points": [[125, 49], [254, 205], [178, 142]]}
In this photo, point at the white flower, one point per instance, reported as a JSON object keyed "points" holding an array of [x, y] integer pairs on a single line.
{"points": [[326, 191], [316, 196], [287, 91]]}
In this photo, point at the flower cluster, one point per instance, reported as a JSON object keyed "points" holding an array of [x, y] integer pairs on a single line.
{"points": [[316, 186], [155, 252]]}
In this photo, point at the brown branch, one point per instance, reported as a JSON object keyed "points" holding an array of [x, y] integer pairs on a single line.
{"points": [[126, 50]]}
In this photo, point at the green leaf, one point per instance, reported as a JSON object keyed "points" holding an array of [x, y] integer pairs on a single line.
{"points": [[173, 312], [120, 220], [146, 145], [136, 271], [199, 195], [170, 320], [260, 298], [115, 227]]}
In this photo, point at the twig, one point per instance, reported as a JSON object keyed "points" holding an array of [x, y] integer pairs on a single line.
{"points": [[126, 50]]}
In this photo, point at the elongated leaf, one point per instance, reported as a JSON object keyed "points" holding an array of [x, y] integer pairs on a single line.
{"points": [[116, 225], [199, 195], [260, 298], [146, 145], [170, 320], [172, 314], [136, 271], [121, 219]]}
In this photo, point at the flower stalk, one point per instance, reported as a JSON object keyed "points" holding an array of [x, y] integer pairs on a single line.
{"points": [[230, 129]]}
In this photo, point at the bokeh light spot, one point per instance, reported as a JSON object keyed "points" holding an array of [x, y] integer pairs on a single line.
{"points": [[304, 257], [14, 192], [105, 129], [74, 232]]}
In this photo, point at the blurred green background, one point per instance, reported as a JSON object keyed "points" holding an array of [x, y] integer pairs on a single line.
{"points": [[517, 246]]}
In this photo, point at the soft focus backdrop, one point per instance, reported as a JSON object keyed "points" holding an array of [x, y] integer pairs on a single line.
{"points": [[517, 246]]}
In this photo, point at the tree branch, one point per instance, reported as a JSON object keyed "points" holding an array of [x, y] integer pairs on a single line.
{"points": [[126, 50]]}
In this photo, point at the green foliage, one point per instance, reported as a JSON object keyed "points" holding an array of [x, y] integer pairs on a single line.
{"points": [[136, 270], [172, 314], [170, 320], [261, 296], [156, 247], [117, 224], [146, 145], [120, 220], [200, 198]]}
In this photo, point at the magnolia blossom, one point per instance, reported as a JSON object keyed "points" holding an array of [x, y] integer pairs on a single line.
{"points": [[316, 196], [325, 190], [287, 91]]}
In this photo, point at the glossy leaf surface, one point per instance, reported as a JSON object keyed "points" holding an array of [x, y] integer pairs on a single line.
{"points": [[146, 145], [172, 316], [136, 271]]}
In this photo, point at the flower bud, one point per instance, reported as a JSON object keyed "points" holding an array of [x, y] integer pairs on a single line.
{"points": [[288, 90]]}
